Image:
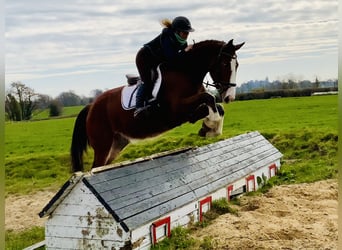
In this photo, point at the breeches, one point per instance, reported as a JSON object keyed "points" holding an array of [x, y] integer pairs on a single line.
{"points": [[146, 65]]}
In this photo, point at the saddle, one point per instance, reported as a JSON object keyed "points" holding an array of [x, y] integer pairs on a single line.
{"points": [[129, 92]]}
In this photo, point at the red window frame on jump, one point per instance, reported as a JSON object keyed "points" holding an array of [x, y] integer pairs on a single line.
{"points": [[229, 191], [166, 222], [205, 201], [272, 170], [248, 179]]}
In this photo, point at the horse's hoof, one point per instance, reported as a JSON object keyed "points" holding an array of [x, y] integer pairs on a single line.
{"points": [[204, 130]]}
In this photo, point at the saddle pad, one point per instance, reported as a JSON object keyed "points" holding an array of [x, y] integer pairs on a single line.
{"points": [[129, 93]]}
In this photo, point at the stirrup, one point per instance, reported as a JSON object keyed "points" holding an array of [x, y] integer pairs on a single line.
{"points": [[140, 111]]}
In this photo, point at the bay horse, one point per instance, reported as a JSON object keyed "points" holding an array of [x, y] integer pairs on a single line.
{"points": [[108, 128]]}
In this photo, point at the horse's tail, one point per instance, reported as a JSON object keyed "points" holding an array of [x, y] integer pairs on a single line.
{"points": [[79, 140]]}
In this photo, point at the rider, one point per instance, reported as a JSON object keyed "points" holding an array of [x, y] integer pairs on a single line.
{"points": [[167, 46]]}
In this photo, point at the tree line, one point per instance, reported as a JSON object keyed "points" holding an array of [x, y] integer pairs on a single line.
{"points": [[21, 101], [290, 84], [264, 89]]}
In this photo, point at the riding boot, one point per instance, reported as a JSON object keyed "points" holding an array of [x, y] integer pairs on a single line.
{"points": [[140, 97], [141, 100]]}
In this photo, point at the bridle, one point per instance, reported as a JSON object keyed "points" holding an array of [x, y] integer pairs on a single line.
{"points": [[221, 86]]}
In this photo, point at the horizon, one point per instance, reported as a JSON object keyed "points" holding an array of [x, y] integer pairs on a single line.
{"points": [[91, 94]]}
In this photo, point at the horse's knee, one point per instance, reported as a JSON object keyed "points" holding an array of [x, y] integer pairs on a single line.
{"points": [[211, 101], [220, 109], [213, 116], [201, 112]]}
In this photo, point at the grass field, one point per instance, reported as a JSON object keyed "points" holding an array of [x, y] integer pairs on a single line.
{"points": [[66, 112], [37, 152], [303, 129]]}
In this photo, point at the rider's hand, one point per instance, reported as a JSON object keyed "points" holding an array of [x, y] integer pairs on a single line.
{"points": [[188, 48]]}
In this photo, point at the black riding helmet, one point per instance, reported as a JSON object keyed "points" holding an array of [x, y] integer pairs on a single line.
{"points": [[181, 23]]}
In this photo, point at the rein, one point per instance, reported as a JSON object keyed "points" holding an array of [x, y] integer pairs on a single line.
{"points": [[219, 85], [215, 84]]}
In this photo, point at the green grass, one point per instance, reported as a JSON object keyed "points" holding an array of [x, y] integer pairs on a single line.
{"points": [[180, 239], [303, 129], [270, 117], [37, 153], [18, 241], [66, 112], [283, 114]]}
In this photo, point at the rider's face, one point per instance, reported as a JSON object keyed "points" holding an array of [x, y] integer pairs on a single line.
{"points": [[184, 34]]}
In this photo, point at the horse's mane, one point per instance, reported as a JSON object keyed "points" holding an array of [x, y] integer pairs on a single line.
{"points": [[205, 43], [195, 55]]}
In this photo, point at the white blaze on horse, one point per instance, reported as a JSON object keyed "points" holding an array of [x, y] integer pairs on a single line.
{"points": [[108, 127]]}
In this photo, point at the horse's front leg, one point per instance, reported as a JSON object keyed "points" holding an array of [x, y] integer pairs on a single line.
{"points": [[211, 128], [199, 106]]}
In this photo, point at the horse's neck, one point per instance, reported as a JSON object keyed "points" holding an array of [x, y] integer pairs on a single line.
{"points": [[196, 64], [200, 60]]}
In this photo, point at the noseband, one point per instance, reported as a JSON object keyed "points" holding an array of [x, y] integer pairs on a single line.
{"points": [[222, 86]]}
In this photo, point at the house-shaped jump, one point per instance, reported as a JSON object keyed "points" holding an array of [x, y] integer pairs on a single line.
{"points": [[134, 205]]}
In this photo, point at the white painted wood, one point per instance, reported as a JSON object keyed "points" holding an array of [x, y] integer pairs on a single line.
{"points": [[161, 232], [35, 246], [221, 193], [81, 244], [205, 207], [86, 225], [180, 217], [103, 232]]}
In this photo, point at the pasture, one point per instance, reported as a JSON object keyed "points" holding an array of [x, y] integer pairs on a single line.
{"points": [[303, 129], [37, 152]]}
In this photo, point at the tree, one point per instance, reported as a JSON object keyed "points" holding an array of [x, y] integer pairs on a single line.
{"points": [[69, 99], [22, 96], [316, 83], [96, 92], [55, 108], [12, 108], [43, 101]]}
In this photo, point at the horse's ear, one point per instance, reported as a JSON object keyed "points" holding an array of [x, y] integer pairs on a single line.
{"points": [[238, 46], [230, 43]]}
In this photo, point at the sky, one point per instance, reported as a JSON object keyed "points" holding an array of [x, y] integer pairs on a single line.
{"points": [[82, 45]]}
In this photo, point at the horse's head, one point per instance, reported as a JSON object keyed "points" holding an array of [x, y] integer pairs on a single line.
{"points": [[223, 71]]}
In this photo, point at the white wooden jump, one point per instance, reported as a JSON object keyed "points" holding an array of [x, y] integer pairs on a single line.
{"points": [[137, 204]]}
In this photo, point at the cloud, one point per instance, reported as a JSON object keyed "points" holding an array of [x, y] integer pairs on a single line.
{"points": [[46, 39]]}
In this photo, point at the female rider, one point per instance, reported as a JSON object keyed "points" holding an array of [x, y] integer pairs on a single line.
{"points": [[167, 46]]}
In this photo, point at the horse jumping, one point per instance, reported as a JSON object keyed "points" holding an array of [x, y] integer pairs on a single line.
{"points": [[108, 128]]}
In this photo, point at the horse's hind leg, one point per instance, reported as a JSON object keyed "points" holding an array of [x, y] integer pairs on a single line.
{"points": [[119, 142], [101, 154], [105, 153]]}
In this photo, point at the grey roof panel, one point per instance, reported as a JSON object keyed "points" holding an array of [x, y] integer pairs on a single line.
{"points": [[145, 190]]}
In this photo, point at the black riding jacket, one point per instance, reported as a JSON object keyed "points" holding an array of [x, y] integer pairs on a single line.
{"points": [[165, 46]]}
